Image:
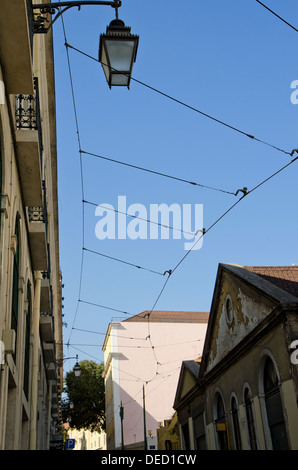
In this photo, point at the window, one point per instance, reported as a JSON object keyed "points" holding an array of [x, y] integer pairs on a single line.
{"points": [[250, 420], [185, 434], [15, 283], [229, 310], [168, 445], [274, 407], [236, 427], [220, 423], [199, 430]]}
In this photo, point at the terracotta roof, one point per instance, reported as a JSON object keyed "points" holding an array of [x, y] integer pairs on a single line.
{"points": [[284, 277], [170, 317]]}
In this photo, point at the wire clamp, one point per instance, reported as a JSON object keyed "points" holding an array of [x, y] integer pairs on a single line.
{"points": [[244, 191]]}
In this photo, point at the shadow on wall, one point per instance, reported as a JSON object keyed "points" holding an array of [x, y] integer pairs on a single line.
{"points": [[133, 422]]}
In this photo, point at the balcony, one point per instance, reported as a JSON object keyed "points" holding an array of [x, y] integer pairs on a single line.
{"points": [[51, 371], [46, 328], [16, 57], [37, 238], [29, 149], [45, 294], [49, 353]]}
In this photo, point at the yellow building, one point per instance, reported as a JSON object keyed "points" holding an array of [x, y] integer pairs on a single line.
{"points": [[87, 440], [168, 434], [30, 279]]}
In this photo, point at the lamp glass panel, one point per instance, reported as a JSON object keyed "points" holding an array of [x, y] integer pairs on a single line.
{"points": [[104, 63], [119, 79], [120, 54]]}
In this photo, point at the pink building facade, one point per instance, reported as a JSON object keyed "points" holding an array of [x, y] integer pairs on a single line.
{"points": [[143, 357]]}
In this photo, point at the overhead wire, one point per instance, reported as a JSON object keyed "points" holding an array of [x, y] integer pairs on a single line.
{"points": [[170, 272], [104, 306], [148, 314], [232, 207], [209, 116], [110, 335], [136, 338], [157, 173], [82, 185], [279, 17], [141, 218], [123, 261], [81, 162]]}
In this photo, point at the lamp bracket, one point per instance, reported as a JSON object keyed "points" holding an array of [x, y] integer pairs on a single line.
{"points": [[59, 8]]}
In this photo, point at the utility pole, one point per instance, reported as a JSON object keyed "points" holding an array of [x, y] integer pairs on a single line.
{"points": [[144, 411], [121, 417]]}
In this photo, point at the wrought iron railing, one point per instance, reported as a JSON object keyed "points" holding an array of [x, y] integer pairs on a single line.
{"points": [[36, 214], [27, 114]]}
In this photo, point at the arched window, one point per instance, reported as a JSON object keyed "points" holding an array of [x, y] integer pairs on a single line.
{"points": [[274, 407], [250, 419], [220, 423], [236, 427], [27, 342], [15, 283], [168, 445]]}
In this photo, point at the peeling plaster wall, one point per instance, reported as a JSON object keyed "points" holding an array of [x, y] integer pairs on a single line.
{"points": [[249, 308]]}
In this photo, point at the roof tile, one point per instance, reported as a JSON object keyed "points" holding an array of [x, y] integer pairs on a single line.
{"points": [[171, 316], [284, 277]]}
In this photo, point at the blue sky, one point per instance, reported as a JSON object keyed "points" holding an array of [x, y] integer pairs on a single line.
{"points": [[232, 60]]}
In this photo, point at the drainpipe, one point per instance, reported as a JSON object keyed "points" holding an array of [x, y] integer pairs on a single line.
{"points": [[144, 414], [34, 383]]}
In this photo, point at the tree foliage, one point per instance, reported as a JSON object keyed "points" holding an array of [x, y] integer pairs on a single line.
{"points": [[87, 394]]}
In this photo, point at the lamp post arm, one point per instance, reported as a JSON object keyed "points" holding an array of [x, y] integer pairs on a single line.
{"points": [[52, 7]]}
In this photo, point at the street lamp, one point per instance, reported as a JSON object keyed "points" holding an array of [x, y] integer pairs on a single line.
{"points": [[77, 369], [117, 53], [117, 48]]}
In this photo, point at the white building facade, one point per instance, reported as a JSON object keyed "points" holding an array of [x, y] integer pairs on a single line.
{"points": [[143, 356]]}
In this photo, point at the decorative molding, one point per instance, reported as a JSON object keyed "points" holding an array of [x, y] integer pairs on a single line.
{"points": [[13, 243], [4, 205], [21, 284]]}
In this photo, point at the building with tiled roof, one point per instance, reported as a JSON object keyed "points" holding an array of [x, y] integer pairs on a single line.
{"points": [[246, 392], [284, 277], [170, 316]]}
